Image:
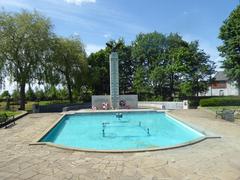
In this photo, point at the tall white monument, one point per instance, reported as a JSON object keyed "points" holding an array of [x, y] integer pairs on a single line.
{"points": [[115, 100], [114, 80]]}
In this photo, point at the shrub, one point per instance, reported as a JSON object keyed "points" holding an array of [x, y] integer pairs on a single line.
{"points": [[220, 101], [15, 95], [30, 95], [193, 103], [5, 95]]}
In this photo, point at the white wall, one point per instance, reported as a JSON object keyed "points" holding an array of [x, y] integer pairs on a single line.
{"points": [[231, 90], [131, 101], [161, 105]]}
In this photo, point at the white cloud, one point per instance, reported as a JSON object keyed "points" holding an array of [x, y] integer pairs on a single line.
{"points": [[91, 48], [76, 34], [79, 2], [107, 35]]}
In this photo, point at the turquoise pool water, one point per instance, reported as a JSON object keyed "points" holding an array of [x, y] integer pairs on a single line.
{"points": [[135, 130]]}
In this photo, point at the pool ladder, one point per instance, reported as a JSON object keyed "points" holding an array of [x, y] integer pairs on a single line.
{"points": [[103, 128], [139, 124]]}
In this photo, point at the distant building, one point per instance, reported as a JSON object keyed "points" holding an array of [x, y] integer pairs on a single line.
{"points": [[221, 86]]}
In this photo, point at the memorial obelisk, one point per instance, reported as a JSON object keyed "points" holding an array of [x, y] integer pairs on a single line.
{"points": [[114, 80]]}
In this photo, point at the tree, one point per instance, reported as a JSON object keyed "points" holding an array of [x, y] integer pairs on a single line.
{"points": [[174, 61], [99, 68], [157, 54], [197, 70], [167, 65], [68, 64], [158, 80], [230, 50], [126, 66], [147, 54], [141, 83], [24, 46], [1, 74], [40, 94], [99, 72], [5, 94]]}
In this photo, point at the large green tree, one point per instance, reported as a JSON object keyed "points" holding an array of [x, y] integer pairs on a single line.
{"points": [[157, 54], [167, 65], [141, 83], [99, 72], [174, 62], [99, 69], [126, 67], [230, 49], [197, 69], [24, 46], [68, 65], [147, 54]]}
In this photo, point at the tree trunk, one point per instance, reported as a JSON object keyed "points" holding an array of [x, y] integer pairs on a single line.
{"points": [[22, 96], [69, 87], [171, 86], [70, 93], [197, 89], [238, 85]]}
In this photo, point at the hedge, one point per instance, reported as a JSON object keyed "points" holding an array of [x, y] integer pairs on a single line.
{"points": [[220, 101]]}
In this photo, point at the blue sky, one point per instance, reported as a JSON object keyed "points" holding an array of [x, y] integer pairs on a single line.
{"points": [[97, 21]]}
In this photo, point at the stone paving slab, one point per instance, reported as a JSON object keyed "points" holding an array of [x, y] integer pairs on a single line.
{"points": [[210, 159]]}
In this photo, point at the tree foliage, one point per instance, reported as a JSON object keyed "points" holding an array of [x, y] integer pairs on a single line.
{"points": [[99, 69], [169, 65], [197, 70], [230, 49], [68, 64], [99, 72], [24, 47], [155, 66]]}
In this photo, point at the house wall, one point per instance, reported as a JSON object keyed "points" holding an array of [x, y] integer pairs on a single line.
{"points": [[230, 90]]}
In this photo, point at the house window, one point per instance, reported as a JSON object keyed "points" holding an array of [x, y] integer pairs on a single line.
{"points": [[221, 92]]}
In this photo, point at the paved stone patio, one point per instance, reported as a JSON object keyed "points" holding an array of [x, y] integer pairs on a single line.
{"points": [[209, 159]]}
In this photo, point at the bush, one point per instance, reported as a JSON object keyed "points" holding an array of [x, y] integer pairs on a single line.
{"points": [[220, 101], [193, 103], [15, 95], [5, 95], [30, 95]]}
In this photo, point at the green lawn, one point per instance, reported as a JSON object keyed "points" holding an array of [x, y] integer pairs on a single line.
{"points": [[28, 106], [217, 108], [11, 113]]}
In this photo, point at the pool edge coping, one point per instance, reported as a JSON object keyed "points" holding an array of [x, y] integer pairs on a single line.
{"points": [[45, 132], [208, 134]]}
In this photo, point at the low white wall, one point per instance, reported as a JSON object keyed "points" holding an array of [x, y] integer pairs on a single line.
{"points": [[129, 101], [163, 105], [98, 100]]}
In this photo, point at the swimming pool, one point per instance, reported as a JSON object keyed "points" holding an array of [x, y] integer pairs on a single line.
{"points": [[121, 131]]}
